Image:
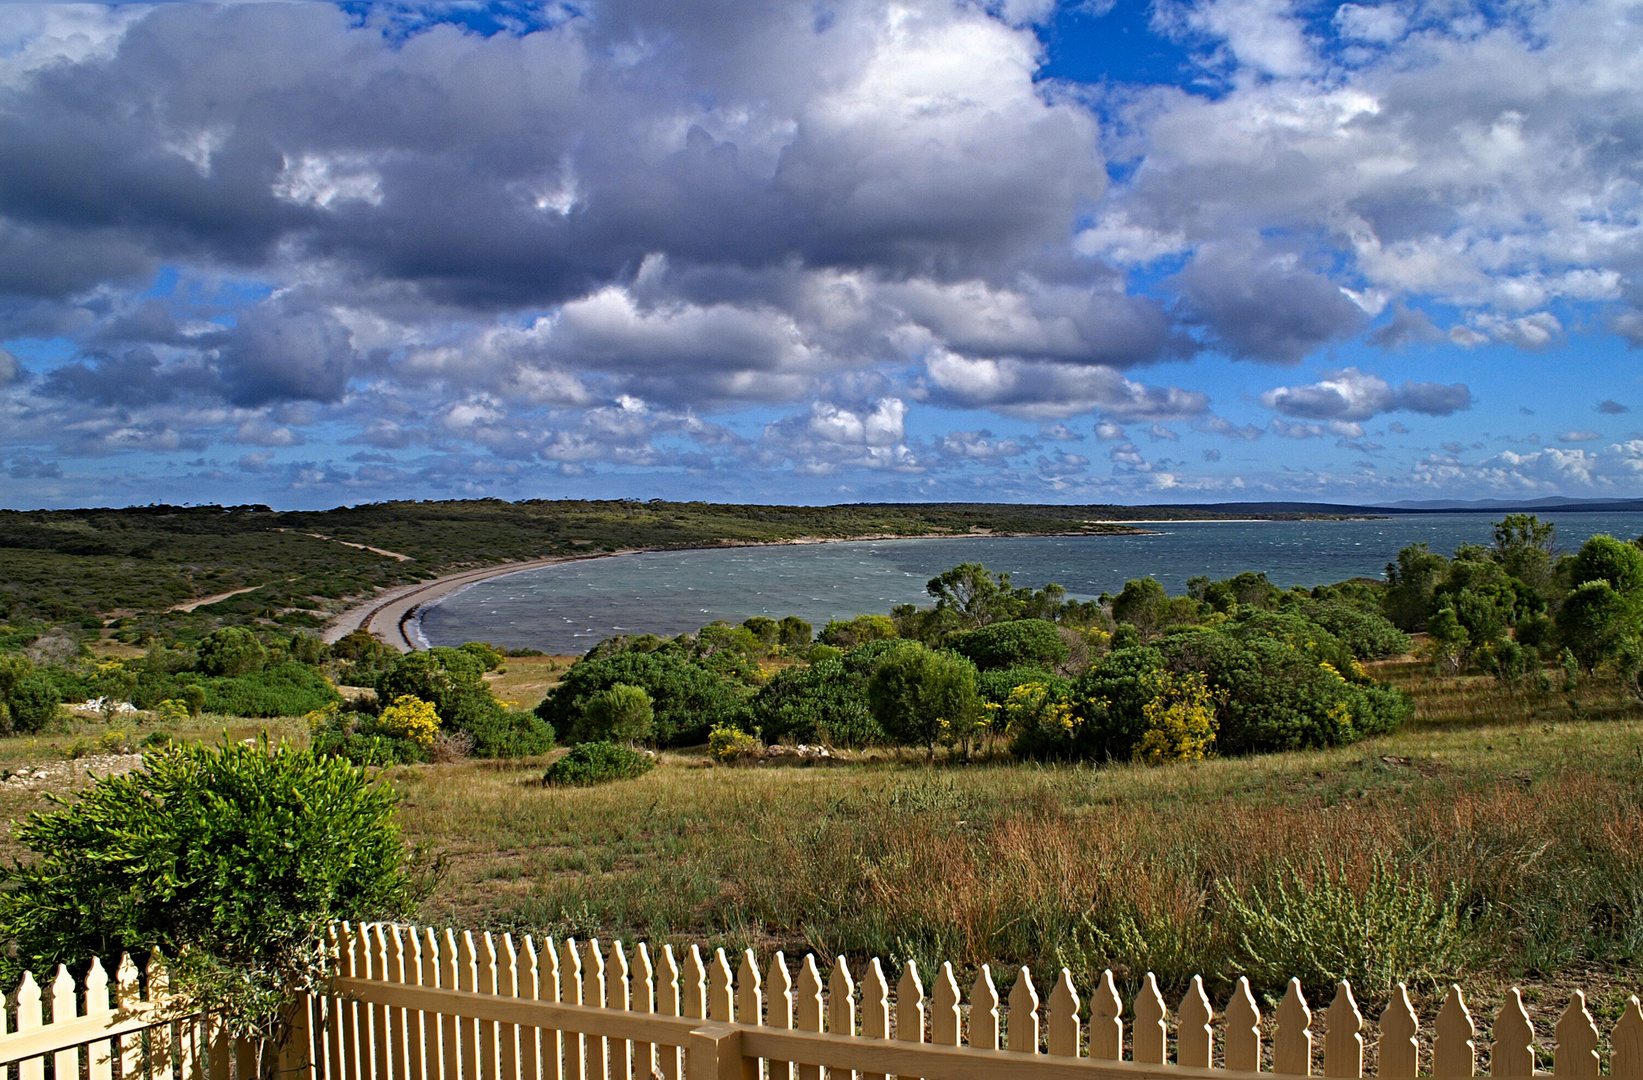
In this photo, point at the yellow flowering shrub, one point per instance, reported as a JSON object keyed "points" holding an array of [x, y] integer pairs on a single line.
{"points": [[1180, 719], [1032, 705], [409, 717], [726, 742]]}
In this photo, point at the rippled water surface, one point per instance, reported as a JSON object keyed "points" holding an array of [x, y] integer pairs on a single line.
{"points": [[567, 608]]}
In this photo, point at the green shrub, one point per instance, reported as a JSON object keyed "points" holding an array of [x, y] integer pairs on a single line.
{"points": [[28, 695], [592, 763], [453, 681], [727, 743], [921, 697], [1322, 927], [289, 689], [619, 713], [687, 700], [1018, 643], [231, 651], [230, 860], [1369, 634], [822, 702], [995, 686], [848, 633]]}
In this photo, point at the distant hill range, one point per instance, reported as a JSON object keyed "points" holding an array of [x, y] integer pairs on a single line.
{"points": [[1555, 504]]}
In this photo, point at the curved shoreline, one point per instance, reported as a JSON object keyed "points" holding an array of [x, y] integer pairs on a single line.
{"points": [[390, 616]]}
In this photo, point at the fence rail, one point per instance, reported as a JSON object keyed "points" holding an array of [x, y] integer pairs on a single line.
{"points": [[413, 1003]]}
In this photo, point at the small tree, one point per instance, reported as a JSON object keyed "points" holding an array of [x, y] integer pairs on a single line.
{"points": [[230, 860], [620, 713], [233, 650], [921, 697]]}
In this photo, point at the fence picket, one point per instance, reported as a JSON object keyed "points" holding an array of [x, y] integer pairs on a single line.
{"points": [[1343, 1035], [721, 989], [66, 1061], [1148, 1039], [1626, 1041], [507, 985], [695, 985], [875, 1008], [440, 1058], [669, 1002], [644, 1001], [1023, 1027], [1398, 1054], [570, 978], [984, 1011], [841, 999], [530, 988], [382, 1034], [488, 981], [1576, 1053], [1193, 1038], [945, 1022], [809, 1008], [1106, 1020], [416, 1021], [1061, 1022], [618, 997], [470, 1040], [127, 993], [550, 1055], [98, 1003], [1242, 1047], [1292, 1046], [779, 1008], [749, 990], [1454, 1053], [593, 993], [1513, 1052]]}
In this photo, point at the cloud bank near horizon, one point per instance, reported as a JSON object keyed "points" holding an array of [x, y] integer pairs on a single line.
{"points": [[328, 253]]}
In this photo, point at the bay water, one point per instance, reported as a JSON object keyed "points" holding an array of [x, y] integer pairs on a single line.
{"points": [[566, 609]]}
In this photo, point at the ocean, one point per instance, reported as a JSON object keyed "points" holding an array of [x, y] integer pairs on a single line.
{"points": [[570, 607]]}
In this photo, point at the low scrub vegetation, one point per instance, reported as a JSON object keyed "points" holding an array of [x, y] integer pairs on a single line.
{"points": [[592, 763]]}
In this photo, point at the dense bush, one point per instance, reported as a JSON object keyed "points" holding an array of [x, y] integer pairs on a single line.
{"points": [[231, 651], [921, 697], [592, 763], [995, 686], [687, 700], [453, 680], [289, 689], [28, 696], [821, 702], [1369, 634], [231, 860], [618, 713], [848, 633], [1017, 643]]}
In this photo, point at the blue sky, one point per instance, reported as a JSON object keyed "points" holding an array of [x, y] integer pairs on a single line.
{"points": [[1188, 250]]}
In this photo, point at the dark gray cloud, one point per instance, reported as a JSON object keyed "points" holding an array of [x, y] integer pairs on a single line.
{"points": [[1611, 407], [1353, 395], [1256, 307]]}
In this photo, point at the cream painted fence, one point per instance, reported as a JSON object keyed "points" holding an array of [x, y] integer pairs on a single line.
{"points": [[99, 1029], [419, 1004]]}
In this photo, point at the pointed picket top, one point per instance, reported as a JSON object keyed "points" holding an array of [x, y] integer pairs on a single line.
{"points": [[1243, 1038], [1398, 1053], [571, 971], [1292, 1045], [749, 990], [945, 1022], [1454, 1053], [1192, 1031], [618, 979], [721, 995], [1061, 1025], [159, 977], [1106, 1020], [1148, 1039], [875, 1002], [29, 1015], [984, 1011], [910, 1004], [841, 1000], [370, 964], [1626, 1041], [808, 1005], [644, 980], [1343, 1035], [1513, 1052], [62, 996], [1023, 1034], [1576, 1053], [669, 1000], [97, 995], [431, 973], [127, 984], [778, 987], [695, 985]]}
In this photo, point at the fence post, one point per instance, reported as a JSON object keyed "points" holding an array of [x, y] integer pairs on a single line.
{"points": [[714, 1052]]}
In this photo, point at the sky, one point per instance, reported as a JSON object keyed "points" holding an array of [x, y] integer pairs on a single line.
{"points": [[819, 251]]}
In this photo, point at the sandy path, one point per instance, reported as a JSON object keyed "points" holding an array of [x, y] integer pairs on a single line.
{"points": [[389, 615], [190, 605]]}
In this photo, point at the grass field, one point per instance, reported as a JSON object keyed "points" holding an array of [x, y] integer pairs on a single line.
{"points": [[1497, 839]]}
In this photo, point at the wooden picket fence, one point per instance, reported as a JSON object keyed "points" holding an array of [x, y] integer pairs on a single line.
{"points": [[99, 1029], [414, 1003]]}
